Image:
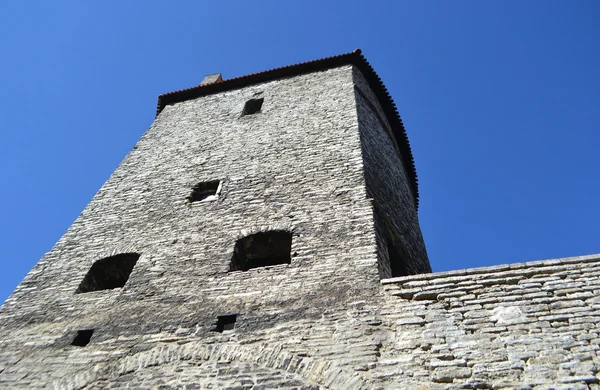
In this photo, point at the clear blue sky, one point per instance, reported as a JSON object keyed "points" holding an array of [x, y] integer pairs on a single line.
{"points": [[500, 99]]}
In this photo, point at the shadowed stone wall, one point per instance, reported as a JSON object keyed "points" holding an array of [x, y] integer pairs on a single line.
{"points": [[387, 184]]}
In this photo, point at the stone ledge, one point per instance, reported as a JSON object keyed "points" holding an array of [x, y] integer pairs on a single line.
{"points": [[525, 267]]}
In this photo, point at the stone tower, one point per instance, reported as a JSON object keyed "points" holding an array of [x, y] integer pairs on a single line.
{"points": [[252, 203], [263, 234]]}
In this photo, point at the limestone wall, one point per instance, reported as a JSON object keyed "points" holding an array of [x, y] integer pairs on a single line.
{"points": [[520, 326], [525, 326], [296, 165]]}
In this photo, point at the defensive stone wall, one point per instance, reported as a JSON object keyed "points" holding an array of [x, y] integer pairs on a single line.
{"points": [[523, 326], [519, 326]]}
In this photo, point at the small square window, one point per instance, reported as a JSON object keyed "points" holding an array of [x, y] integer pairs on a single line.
{"points": [[83, 337], [108, 273], [226, 322], [205, 191], [252, 106]]}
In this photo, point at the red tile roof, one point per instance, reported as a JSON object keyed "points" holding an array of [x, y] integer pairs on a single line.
{"points": [[354, 58]]}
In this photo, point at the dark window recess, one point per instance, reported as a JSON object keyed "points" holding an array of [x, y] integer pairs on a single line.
{"points": [[261, 250], [226, 322], [83, 337], [202, 191], [397, 262], [252, 106], [108, 273]]}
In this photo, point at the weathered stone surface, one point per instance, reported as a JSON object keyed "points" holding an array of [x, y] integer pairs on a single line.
{"points": [[449, 374], [523, 345]]}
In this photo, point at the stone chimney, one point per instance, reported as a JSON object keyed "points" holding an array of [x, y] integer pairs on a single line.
{"points": [[212, 78]]}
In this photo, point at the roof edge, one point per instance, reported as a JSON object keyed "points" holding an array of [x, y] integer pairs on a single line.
{"points": [[355, 58]]}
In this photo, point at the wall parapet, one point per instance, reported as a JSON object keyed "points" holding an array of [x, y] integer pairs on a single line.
{"points": [[540, 266]]}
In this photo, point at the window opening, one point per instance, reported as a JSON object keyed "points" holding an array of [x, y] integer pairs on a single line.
{"points": [[396, 253], [252, 106], [205, 191], [262, 250], [83, 337], [108, 273], [397, 264], [226, 322]]}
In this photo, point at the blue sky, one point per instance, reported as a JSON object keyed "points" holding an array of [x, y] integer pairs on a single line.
{"points": [[500, 100]]}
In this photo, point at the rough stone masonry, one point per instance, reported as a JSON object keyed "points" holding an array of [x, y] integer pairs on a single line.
{"points": [[263, 234]]}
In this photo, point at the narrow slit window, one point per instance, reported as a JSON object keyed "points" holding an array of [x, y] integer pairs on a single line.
{"points": [[262, 250], [226, 322], [205, 191], [83, 337], [252, 106], [397, 261], [108, 273]]}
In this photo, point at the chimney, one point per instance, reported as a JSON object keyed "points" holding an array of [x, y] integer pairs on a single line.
{"points": [[211, 79]]}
